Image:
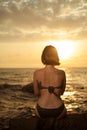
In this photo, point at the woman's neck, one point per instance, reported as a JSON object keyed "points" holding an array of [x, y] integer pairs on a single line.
{"points": [[49, 66]]}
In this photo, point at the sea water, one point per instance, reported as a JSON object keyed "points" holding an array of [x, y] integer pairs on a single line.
{"points": [[14, 102]]}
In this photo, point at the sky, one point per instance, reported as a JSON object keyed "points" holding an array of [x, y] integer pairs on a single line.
{"points": [[27, 26]]}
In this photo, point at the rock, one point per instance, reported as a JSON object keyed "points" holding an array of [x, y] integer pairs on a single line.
{"points": [[71, 122], [28, 88], [10, 86]]}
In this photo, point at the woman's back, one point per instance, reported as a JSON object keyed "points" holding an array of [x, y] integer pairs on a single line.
{"points": [[50, 76]]}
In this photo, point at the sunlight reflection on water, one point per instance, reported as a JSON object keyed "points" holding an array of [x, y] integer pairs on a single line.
{"points": [[75, 101]]}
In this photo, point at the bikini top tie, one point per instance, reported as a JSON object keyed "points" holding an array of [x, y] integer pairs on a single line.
{"points": [[50, 89]]}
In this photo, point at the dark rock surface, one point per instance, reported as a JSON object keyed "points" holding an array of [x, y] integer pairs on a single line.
{"points": [[70, 122], [28, 88]]}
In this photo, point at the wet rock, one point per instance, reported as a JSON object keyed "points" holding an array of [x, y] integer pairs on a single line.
{"points": [[28, 88], [10, 86]]}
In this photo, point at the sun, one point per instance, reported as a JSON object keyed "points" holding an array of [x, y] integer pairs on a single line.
{"points": [[65, 48]]}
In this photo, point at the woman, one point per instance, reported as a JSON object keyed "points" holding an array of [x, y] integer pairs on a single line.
{"points": [[49, 84]]}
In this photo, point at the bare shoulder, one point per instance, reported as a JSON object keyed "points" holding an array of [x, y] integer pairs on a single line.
{"points": [[60, 71], [38, 71]]}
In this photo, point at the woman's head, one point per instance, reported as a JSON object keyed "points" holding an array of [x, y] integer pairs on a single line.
{"points": [[50, 56]]}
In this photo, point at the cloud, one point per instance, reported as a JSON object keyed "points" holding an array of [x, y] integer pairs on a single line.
{"points": [[46, 19]]}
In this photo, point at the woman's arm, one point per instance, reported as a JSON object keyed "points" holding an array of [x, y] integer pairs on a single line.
{"points": [[63, 86], [35, 85]]}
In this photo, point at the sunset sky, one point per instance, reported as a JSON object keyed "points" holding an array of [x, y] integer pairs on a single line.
{"points": [[27, 26]]}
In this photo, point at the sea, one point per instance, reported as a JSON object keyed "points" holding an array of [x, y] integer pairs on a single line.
{"points": [[14, 102]]}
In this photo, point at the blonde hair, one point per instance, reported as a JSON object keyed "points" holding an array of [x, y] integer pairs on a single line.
{"points": [[50, 56]]}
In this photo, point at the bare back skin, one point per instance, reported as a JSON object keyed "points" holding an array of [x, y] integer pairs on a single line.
{"points": [[49, 76]]}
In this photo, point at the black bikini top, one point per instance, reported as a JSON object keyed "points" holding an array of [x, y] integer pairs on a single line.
{"points": [[50, 88]]}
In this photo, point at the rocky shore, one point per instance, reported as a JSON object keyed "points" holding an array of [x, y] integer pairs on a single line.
{"points": [[70, 122]]}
